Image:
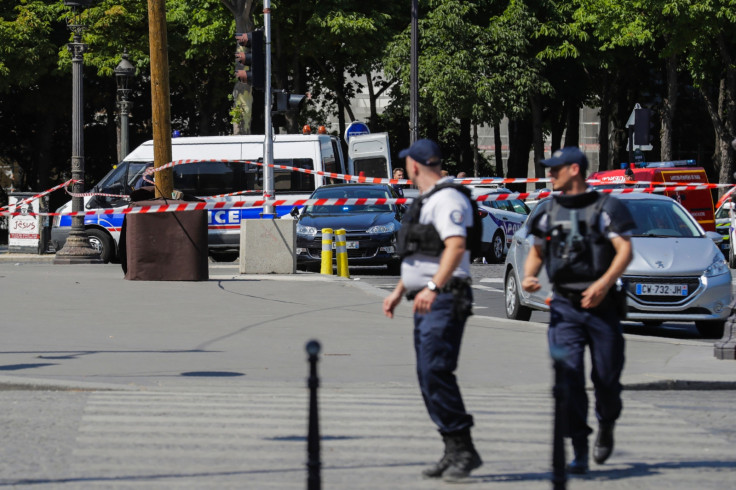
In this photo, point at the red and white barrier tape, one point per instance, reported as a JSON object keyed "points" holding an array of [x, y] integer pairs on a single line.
{"points": [[90, 194], [255, 203], [654, 186], [701, 185], [37, 196], [348, 177]]}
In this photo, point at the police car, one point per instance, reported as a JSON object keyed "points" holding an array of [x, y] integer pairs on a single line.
{"points": [[503, 219], [724, 228]]}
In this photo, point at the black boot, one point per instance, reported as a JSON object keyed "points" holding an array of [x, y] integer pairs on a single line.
{"points": [[603, 443], [579, 465], [436, 470], [463, 457]]}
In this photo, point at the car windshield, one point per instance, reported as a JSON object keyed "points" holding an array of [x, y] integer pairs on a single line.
{"points": [[722, 212], [661, 218], [123, 178], [350, 192], [511, 205]]}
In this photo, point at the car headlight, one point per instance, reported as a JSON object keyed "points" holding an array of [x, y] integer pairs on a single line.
{"points": [[306, 230], [718, 267], [387, 228]]}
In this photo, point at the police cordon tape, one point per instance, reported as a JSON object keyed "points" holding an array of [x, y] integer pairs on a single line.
{"points": [[40, 195], [660, 187], [256, 203]]}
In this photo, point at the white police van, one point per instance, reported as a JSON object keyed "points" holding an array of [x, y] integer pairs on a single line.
{"points": [[318, 152]]}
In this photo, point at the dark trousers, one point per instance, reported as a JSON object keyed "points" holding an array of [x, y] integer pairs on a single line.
{"points": [[437, 337], [571, 328]]}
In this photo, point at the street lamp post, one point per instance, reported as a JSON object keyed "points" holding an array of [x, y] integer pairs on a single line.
{"points": [[77, 249], [124, 73]]}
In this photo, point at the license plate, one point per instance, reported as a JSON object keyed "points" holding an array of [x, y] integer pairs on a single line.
{"points": [[661, 289], [348, 245]]}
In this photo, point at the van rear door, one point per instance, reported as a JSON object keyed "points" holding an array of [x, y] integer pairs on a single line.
{"points": [[369, 154], [698, 202]]}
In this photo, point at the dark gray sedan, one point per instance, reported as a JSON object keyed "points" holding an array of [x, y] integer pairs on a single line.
{"points": [[678, 272]]}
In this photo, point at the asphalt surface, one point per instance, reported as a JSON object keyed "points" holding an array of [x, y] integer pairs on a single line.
{"points": [[108, 383]]}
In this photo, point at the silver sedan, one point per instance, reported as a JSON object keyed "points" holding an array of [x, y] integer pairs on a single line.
{"points": [[678, 272]]}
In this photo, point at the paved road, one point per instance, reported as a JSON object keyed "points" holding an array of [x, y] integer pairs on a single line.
{"points": [[110, 383], [489, 301]]}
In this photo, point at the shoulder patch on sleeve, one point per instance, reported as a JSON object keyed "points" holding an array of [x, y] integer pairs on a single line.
{"points": [[457, 217]]}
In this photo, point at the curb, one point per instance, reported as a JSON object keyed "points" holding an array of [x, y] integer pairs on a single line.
{"points": [[681, 385]]}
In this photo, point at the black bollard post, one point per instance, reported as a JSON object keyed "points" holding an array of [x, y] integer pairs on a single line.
{"points": [[314, 481], [559, 474]]}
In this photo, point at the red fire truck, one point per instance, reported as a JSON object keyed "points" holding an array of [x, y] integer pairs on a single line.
{"points": [[699, 202]]}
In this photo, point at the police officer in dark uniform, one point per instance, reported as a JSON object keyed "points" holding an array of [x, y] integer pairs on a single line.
{"points": [[435, 274], [583, 239]]}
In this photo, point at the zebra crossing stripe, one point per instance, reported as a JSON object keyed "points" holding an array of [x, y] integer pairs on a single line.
{"points": [[370, 439]]}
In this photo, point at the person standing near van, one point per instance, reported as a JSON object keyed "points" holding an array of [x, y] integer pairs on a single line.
{"points": [[399, 175], [583, 239], [435, 274]]}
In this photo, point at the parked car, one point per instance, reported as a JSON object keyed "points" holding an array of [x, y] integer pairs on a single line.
{"points": [[724, 228], [503, 219], [371, 229], [678, 272]]}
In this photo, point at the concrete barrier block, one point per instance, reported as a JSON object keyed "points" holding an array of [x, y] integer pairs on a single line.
{"points": [[267, 246]]}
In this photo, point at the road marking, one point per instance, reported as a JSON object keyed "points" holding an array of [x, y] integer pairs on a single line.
{"points": [[487, 288], [496, 280], [258, 439]]}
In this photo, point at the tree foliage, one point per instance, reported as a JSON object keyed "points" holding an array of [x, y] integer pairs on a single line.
{"points": [[535, 63]]}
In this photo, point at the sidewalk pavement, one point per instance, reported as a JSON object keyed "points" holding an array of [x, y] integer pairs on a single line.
{"points": [[202, 385], [24, 258]]}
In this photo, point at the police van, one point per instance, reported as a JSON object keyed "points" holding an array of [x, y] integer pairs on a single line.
{"points": [[319, 152], [679, 172]]}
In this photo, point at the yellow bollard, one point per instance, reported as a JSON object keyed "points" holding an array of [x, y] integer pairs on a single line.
{"points": [[326, 251], [342, 253]]}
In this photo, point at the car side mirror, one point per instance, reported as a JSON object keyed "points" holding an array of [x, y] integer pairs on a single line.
{"points": [[716, 237], [294, 212]]}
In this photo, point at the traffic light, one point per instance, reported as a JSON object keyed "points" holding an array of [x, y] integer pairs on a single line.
{"points": [[642, 126], [284, 101], [250, 55]]}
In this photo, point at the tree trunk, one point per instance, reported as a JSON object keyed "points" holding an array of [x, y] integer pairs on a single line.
{"points": [[668, 109], [466, 147], [371, 99], [604, 160], [558, 116], [242, 93], [724, 123], [476, 158], [520, 143], [498, 149], [572, 135], [537, 136]]}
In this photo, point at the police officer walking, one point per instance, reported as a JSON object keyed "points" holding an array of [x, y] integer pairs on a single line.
{"points": [[435, 274], [583, 239]]}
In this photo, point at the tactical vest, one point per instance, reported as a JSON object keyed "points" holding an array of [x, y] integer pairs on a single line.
{"points": [[576, 252], [414, 237]]}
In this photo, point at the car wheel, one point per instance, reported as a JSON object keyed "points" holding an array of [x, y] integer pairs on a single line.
{"points": [[497, 245], [102, 242], [514, 309], [731, 257], [224, 256], [710, 329]]}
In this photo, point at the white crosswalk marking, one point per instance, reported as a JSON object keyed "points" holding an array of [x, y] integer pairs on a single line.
{"points": [[258, 440]]}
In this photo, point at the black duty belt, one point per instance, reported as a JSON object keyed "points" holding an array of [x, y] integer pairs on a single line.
{"points": [[574, 297], [455, 284]]}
